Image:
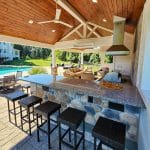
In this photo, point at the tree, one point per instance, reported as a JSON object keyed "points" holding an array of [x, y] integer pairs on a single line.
{"points": [[87, 57], [109, 59], [33, 53], [73, 57], [26, 51], [94, 58], [61, 55]]}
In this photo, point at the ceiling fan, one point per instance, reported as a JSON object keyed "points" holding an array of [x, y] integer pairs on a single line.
{"points": [[57, 19]]}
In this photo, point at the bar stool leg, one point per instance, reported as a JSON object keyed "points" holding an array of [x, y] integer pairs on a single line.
{"points": [[27, 91], [69, 135], [83, 135], [14, 107], [28, 113], [33, 112], [59, 126], [8, 110], [38, 137], [21, 117], [94, 143], [48, 126], [75, 140]]}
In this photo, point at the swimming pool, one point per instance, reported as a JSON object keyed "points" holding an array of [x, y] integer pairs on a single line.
{"points": [[5, 70]]}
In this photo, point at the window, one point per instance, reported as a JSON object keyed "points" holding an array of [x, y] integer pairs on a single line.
{"points": [[16, 53]]}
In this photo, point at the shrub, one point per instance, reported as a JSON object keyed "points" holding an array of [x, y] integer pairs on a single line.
{"points": [[37, 70]]}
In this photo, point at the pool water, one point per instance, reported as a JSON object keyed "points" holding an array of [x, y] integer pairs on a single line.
{"points": [[5, 70]]}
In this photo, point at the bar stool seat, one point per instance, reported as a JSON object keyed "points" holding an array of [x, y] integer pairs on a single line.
{"points": [[13, 96], [110, 133], [47, 109], [27, 103], [72, 118], [30, 101]]}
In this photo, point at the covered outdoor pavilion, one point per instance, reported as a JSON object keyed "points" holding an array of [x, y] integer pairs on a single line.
{"points": [[91, 27], [89, 31]]}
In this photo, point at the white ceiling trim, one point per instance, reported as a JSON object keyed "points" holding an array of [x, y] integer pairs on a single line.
{"points": [[21, 41]]}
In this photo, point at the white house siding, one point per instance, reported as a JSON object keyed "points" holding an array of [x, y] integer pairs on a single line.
{"points": [[8, 51]]}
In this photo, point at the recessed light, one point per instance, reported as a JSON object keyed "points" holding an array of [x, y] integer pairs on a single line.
{"points": [[53, 30], [104, 20], [94, 1], [30, 21]]}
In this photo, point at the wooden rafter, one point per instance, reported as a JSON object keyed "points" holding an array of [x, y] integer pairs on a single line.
{"points": [[98, 26], [72, 11], [72, 31], [95, 33], [90, 33]]}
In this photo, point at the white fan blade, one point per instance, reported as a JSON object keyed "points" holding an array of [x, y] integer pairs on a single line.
{"points": [[66, 24], [43, 22], [58, 13]]}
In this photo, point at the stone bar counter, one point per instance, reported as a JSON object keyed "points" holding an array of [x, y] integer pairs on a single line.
{"points": [[76, 92]]}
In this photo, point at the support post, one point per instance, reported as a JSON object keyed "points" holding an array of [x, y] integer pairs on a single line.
{"points": [[53, 58], [82, 58]]}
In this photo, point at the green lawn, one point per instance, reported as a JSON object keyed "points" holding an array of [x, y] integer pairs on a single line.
{"points": [[44, 62]]}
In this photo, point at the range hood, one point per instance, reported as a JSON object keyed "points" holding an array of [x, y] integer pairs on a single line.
{"points": [[118, 48]]}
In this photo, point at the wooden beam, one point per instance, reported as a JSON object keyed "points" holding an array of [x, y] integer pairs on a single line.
{"points": [[79, 34], [66, 6], [91, 32], [85, 31], [95, 33], [72, 11], [102, 41], [98, 26], [72, 31]]}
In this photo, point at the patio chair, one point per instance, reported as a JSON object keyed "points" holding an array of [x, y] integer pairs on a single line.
{"points": [[87, 76], [9, 81], [25, 86], [18, 75]]}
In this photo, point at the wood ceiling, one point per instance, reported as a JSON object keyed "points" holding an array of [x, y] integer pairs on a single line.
{"points": [[15, 14], [95, 12]]}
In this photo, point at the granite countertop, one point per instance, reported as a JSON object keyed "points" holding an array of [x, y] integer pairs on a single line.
{"points": [[129, 95]]}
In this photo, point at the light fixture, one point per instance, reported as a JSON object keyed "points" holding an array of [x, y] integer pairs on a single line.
{"points": [[30, 21], [94, 1], [104, 20], [53, 31]]}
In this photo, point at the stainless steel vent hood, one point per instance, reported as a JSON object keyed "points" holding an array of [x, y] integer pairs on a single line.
{"points": [[118, 48]]}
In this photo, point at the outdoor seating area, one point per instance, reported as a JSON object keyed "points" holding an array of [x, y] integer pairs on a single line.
{"points": [[76, 75]]}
